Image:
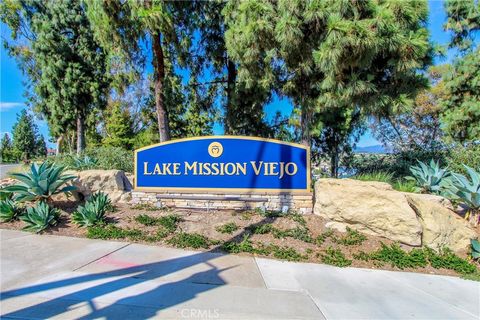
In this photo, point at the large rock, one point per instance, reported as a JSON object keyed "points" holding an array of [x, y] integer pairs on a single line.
{"points": [[370, 207], [441, 226], [112, 182]]}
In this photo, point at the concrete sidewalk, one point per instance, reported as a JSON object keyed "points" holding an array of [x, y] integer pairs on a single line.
{"points": [[71, 278]]}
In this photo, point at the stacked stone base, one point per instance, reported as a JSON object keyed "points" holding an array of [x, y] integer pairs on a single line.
{"points": [[298, 202]]}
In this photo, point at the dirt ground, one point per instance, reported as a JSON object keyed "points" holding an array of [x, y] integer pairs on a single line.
{"points": [[207, 223]]}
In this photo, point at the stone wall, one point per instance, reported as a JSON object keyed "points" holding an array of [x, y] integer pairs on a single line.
{"points": [[299, 202]]}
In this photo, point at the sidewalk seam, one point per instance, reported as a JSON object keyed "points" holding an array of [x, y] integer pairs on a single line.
{"points": [[90, 262], [261, 274]]}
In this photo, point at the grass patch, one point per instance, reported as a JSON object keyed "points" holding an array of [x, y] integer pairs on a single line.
{"points": [[169, 222], [335, 257], [111, 231], [146, 207], [189, 240], [352, 238], [404, 185], [375, 176], [229, 228]]}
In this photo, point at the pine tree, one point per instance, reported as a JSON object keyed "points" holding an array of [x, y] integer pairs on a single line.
{"points": [[24, 136], [6, 149], [65, 66], [118, 127], [461, 102], [40, 147], [333, 59]]}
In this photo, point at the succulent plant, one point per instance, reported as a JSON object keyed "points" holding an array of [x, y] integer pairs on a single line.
{"points": [[467, 191], [40, 217], [430, 178], [84, 163], [40, 183], [475, 248], [93, 211], [4, 195], [9, 210]]}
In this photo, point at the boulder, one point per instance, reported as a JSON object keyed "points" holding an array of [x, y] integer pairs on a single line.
{"points": [[114, 183], [370, 207], [441, 226]]}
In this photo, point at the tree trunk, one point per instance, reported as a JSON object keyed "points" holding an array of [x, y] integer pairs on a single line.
{"points": [[59, 144], [80, 134], [231, 79], [159, 79], [334, 160], [304, 127]]}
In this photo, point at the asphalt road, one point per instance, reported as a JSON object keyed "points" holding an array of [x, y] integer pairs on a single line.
{"points": [[5, 168]]}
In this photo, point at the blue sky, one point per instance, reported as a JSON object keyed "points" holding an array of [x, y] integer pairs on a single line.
{"points": [[12, 86]]}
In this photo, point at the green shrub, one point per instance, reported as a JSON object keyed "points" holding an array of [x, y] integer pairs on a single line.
{"points": [[447, 259], [40, 217], [375, 176], [244, 246], [112, 158], [323, 236], [189, 240], [261, 229], [5, 195], [430, 178], [93, 212], [168, 222], [229, 228], [9, 210], [461, 156], [84, 163], [335, 257], [40, 183], [287, 253], [353, 237], [111, 231]]}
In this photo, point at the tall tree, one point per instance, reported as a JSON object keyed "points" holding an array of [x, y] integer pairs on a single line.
{"points": [[24, 136], [332, 56], [6, 149], [461, 102], [167, 27], [119, 127], [40, 146], [55, 47], [416, 127]]}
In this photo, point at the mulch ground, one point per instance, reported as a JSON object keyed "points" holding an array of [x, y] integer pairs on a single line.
{"points": [[206, 224]]}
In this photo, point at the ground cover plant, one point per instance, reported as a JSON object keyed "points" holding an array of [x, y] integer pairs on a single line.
{"points": [[275, 235]]}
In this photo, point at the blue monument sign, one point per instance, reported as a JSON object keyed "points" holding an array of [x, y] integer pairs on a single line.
{"points": [[223, 163]]}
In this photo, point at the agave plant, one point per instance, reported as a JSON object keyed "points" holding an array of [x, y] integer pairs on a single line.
{"points": [[40, 183], [467, 191], [84, 163], [4, 195], [430, 178], [8, 210], [93, 211], [475, 249], [40, 217]]}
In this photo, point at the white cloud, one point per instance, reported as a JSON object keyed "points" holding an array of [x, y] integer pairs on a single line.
{"points": [[4, 106]]}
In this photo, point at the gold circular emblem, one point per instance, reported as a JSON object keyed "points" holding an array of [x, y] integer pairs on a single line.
{"points": [[215, 149]]}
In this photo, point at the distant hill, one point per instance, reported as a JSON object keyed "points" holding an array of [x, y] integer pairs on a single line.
{"points": [[372, 149]]}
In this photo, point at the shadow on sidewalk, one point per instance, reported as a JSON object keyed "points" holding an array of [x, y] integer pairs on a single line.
{"points": [[165, 295]]}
